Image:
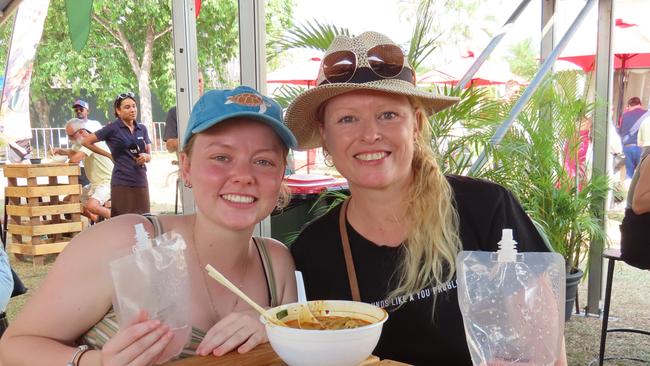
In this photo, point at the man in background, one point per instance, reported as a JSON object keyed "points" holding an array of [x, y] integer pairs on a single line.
{"points": [[170, 136], [628, 131], [81, 109], [99, 168]]}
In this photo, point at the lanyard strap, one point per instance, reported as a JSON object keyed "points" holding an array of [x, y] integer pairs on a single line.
{"points": [[349, 264]]}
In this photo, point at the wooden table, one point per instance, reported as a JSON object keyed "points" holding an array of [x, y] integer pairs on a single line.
{"points": [[262, 355]]}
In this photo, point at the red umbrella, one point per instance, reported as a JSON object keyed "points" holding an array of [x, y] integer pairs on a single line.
{"points": [[631, 46], [302, 72], [490, 73]]}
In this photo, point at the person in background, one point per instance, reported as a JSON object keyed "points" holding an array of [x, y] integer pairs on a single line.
{"points": [[234, 166], [635, 227], [130, 149], [81, 109], [575, 152], [394, 241], [643, 137], [99, 168], [628, 131], [6, 288], [639, 195], [170, 136]]}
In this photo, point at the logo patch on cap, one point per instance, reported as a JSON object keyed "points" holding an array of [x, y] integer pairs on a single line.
{"points": [[248, 100]]}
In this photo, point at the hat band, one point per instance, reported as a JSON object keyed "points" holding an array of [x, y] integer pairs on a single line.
{"points": [[366, 75]]}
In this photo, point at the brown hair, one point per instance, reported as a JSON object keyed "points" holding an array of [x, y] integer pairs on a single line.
{"points": [[634, 101]]}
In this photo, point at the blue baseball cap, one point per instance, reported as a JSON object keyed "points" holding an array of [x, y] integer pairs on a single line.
{"points": [[242, 102], [81, 103]]}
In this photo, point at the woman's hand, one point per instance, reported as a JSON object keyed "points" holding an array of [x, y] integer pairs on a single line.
{"points": [[141, 343], [143, 158], [242, 330]]}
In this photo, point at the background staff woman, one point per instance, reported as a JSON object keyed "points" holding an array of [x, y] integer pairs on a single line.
{"points": [[130, 148]]}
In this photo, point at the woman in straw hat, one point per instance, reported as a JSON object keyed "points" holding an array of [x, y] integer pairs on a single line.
{"points": [[394, 242], [233, 158]]}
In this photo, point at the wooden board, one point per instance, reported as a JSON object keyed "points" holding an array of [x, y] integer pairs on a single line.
{"points": [[262, 355], [43, 210], [40, 249], [40, 170], [45, 229], [42, 191]]}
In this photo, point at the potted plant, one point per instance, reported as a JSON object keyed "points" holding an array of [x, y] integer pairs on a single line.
{"points": [[542, 161]]}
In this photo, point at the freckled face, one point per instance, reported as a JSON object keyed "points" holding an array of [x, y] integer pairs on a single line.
{"points": [[235, 168], [370, 136]]}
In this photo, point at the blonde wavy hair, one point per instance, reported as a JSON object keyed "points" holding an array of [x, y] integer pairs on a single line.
{"points": [[432, 241]]}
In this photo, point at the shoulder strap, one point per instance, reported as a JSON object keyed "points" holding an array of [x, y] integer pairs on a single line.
{"points": [[347, 252], [268, 270], [157, 225]]}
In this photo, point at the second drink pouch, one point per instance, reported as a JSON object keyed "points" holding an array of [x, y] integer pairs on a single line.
{"points": [[512, 304]]}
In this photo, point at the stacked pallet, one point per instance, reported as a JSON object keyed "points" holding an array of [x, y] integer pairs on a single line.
{"points": [[40, 221]]}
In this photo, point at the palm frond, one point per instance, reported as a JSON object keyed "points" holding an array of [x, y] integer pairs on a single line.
{"points": [[421, 45], [285, 94], [311, 35]]}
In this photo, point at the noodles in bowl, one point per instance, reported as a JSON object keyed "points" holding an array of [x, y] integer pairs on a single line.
{"points": [[347, 335]]}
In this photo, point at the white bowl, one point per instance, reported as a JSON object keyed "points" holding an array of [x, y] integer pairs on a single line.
{"points": [[341, 347], [59, 158]]}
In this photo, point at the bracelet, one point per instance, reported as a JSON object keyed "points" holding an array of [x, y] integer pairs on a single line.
{"points": [[77, 355]]}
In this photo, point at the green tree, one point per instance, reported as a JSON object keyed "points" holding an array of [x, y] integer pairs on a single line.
{"points": [[523, 59], [5, 34], [130, 48]]}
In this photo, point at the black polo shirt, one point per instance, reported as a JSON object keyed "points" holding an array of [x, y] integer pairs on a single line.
{"points": [[119, 139]]}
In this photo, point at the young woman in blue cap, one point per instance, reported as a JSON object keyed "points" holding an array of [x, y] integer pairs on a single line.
{"points": [[394, 242], [233, 158]]}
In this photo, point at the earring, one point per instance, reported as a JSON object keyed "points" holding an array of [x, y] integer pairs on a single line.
{"points": [[187, 184], [327, 159]]}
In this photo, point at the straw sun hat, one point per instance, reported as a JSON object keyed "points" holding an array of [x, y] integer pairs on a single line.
{"points": [[301, 115]]}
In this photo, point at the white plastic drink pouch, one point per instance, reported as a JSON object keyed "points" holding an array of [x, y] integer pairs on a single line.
{"points": [[154, 279], [512, 304]]}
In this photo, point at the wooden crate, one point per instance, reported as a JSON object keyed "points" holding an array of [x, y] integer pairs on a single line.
{"points": [[40, 222]]}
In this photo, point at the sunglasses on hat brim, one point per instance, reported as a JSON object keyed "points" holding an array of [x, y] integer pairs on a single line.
{"points": [[386, 61]]}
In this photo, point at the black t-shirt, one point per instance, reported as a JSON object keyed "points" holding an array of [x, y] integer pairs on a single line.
{"points": [[171, 125], [411, 334]]}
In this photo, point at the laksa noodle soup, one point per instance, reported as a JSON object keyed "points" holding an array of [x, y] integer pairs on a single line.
{"points": [[330, 315], [329, 323]]}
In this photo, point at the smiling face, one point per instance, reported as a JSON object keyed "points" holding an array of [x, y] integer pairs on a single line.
{"points": [[370, 136], [235, 168]]}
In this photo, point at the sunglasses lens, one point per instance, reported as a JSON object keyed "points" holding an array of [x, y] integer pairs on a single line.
{"points": [[386, 60], [339, 66]]}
